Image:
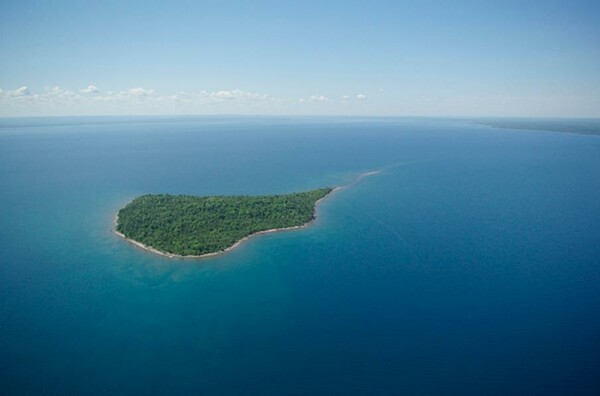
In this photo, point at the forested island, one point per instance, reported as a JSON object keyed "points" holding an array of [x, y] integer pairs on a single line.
{"points": [[192, 226]]}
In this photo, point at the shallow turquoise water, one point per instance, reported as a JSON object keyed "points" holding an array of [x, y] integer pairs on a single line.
{"points": [[468, 266]]}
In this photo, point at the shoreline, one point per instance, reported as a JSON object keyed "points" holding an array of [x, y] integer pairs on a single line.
{"points": [[242, 240]]}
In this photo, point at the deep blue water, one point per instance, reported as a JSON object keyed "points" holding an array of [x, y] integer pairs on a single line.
{"points": [[469, 266]]}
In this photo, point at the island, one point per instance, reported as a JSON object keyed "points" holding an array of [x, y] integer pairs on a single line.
{"points": [[187, 226]]}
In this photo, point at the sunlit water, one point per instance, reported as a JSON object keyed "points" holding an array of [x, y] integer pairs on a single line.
{"points": [[469, 266]]}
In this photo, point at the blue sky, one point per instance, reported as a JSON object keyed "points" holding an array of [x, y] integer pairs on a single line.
{"points": [[440, 58]]}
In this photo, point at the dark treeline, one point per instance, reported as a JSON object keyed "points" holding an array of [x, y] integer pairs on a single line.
{"points": [[188, 225]]}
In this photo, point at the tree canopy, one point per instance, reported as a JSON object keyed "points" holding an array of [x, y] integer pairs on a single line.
{"points": [[190, 225]]}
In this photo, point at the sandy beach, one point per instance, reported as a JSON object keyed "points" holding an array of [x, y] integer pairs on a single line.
{"points": [[238, 243]]}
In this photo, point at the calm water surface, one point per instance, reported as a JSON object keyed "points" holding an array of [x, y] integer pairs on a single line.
{"points": [[469, 266]]}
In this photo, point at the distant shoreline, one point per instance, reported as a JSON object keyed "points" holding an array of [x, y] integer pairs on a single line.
{"points": [[239, 242], [590, 127]]}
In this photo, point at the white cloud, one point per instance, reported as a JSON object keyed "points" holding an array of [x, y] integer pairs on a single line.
{"points": [[225, 95], [233, 97], [236, 94], [318, 98], [91, 89], [138, 92], [138, 100], [58, 92], [20, 92], [23, 91], [52, 101]]}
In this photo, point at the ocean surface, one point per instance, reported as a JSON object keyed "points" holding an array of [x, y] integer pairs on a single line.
{"points": [[469, 266]]}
